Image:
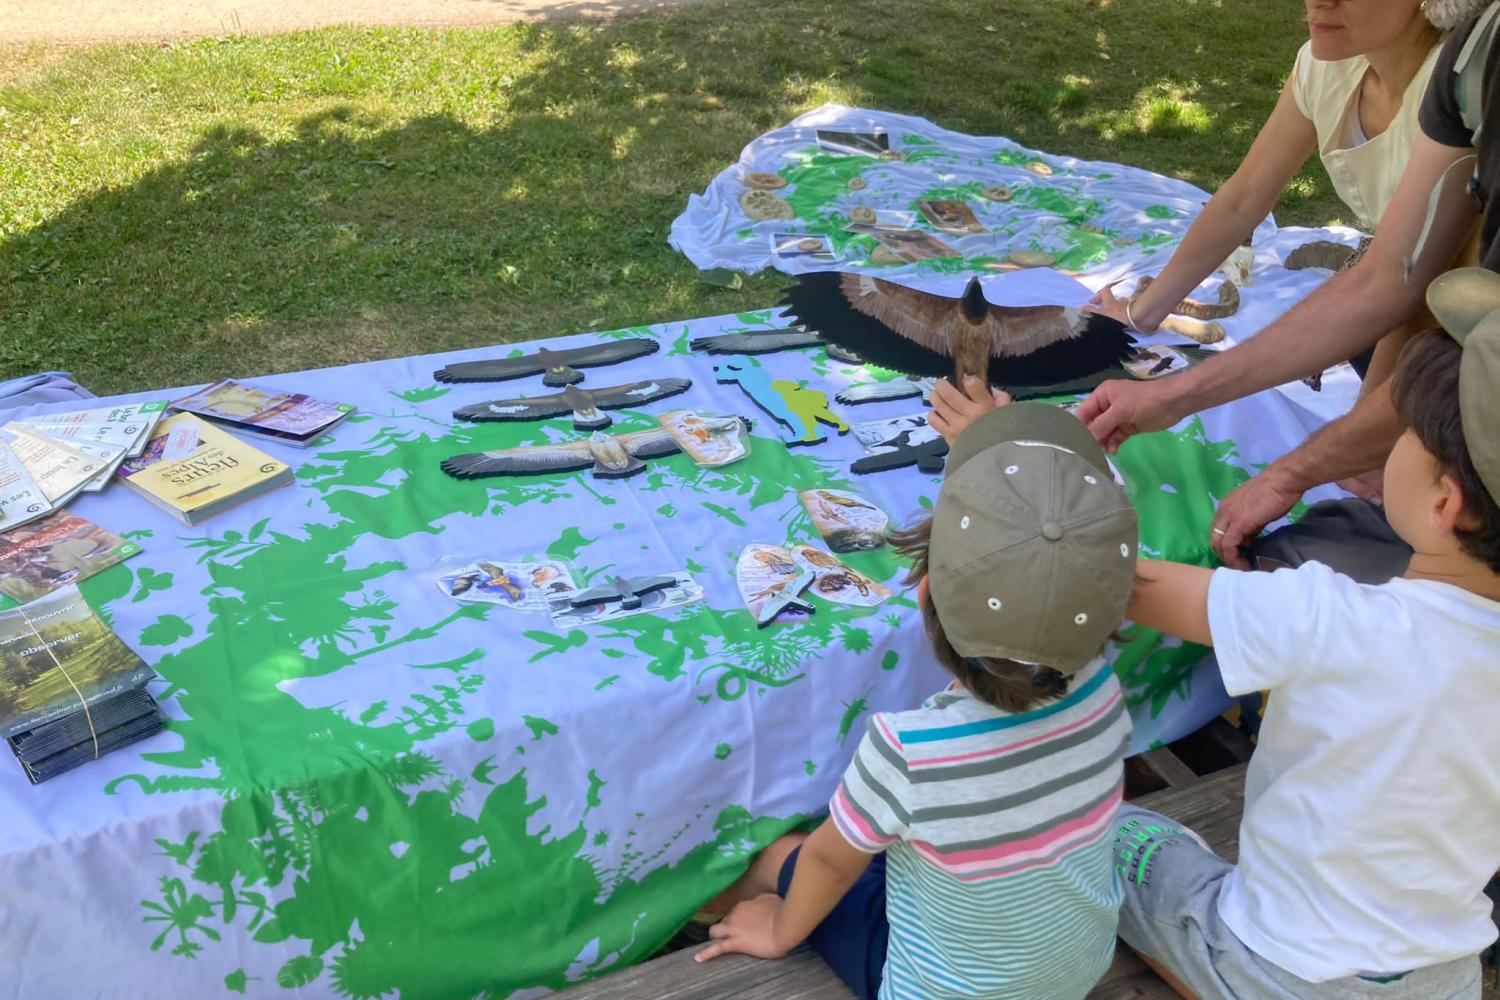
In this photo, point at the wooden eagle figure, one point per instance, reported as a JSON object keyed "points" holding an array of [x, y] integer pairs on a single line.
{"points": [[612, 456], [585, 404], [920, 333], [557, 367]]}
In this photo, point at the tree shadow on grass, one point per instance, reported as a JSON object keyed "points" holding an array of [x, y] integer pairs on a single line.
{"points": [[533, 194]]}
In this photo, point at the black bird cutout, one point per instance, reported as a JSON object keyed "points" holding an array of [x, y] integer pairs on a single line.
{"points": [[627, 591], [928, 456], [584, 404], [920, 333], [560, 366]]}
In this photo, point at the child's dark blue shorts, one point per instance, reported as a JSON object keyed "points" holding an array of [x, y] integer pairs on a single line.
{"points": [[852, 939]]}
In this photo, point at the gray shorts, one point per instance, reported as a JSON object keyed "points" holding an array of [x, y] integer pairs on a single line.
{"points": [[1171, 914]]}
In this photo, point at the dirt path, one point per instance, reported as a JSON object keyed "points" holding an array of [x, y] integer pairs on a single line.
{"points": [[81, 21]]}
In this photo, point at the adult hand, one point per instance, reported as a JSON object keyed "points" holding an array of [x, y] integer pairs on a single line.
{"points": [[1246, 511], [1368, 486], [1107, 303], [953, 410], [750, 929], [1122, 407]]}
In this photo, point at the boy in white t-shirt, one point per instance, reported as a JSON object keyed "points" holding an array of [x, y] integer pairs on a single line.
{"points": [[1372, 804]]}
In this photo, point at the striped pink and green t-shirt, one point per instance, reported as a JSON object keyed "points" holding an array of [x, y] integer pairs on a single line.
{"points": [[997, 833]]}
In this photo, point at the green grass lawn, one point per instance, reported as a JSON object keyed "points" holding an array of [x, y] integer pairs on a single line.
{"points": [[238, 206]]}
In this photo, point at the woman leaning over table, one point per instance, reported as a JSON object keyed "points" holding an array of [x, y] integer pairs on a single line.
{"points": [[1352, 96]]}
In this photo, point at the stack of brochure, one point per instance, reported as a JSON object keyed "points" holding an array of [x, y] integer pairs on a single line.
{"points": [[47, 460], [292, 418], [70, 690]]}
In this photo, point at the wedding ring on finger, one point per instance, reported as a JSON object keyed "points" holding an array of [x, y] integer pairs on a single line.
{"points": [[1220, 531]]}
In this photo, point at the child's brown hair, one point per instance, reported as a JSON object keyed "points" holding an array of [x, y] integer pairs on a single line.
{"points": [[1005, 684], [1425, 391]]}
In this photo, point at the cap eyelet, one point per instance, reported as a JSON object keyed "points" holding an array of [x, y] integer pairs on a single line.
{"points": [[963, 523], [1080, 618], [994, 603], [1011, 470], [1125, 550], [1091, 480]]}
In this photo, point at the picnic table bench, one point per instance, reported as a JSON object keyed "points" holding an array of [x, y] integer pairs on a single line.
{"points": [[1211, 806]]}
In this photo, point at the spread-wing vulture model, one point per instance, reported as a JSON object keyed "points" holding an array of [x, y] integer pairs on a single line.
{"points": [[612, 456], [584, 404], [560, 367], [921, 333]]}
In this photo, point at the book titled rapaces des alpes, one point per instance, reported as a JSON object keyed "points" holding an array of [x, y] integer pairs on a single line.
{"points": [[193, 470], [292, 418]]}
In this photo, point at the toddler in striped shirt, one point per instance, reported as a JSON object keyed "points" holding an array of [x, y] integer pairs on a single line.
{"points": [[967, 850]]}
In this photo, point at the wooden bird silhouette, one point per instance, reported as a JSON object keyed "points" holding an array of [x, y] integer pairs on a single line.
{"points": [[584, 404], [612, 456], [560, 367], [921, 333]]}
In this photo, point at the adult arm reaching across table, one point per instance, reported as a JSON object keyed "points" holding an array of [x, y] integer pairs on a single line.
{"points": [[1355, 443], [1348, 314]]}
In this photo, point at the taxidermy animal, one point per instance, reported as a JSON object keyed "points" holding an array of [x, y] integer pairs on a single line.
{"points": [[927, 455], [1320, 253], [560, 366], [1228, 304], [1237, 265], [611, 456], [921, 333], [754, 343], [796, 409], [627, 592], [584, 404]]}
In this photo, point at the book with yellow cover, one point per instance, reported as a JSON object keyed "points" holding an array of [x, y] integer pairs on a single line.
{"points": [[193, 470]]}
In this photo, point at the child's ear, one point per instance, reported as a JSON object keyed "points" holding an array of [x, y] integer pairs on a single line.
{"points": [[1448, 505], [922, 591]]}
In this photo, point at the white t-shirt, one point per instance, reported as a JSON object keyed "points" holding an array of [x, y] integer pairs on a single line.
{"points": [[1372, 804]]}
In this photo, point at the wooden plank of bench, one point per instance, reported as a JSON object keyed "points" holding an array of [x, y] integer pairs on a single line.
{"points": [[1211, 807], [802, 975], [1159, 770]]}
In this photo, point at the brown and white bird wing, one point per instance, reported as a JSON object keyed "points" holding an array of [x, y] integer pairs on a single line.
{"points": [[648, 444], [934, 321], [521, 461], [917, 332]]}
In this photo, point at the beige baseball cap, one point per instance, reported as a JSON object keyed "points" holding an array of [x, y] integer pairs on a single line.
{"points": [[1033, 547], [1466, 301]]}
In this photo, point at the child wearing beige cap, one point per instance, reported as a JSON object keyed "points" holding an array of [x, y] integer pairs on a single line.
{"points": [[1372, 804], [967, 852]]}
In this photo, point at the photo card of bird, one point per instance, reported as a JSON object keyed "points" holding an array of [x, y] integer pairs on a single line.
{"points": [[711, 440], [863, 219], [522, 585], [833, 581], [950, 215], [770, 580], [912, 245], [803, 246], [847, 521], [872, 143]]}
